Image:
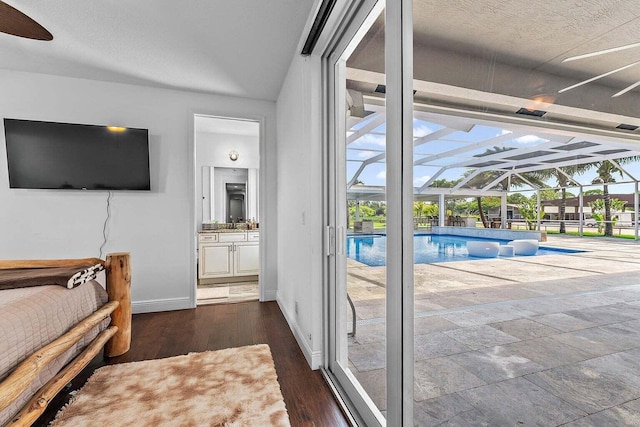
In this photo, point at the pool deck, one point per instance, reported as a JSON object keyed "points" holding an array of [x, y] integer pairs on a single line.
{"points": [[544, 340]]}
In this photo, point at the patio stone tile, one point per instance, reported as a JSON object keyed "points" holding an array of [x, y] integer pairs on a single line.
{"points": [[425, 304], [465, 419], [440, 376], [548, 352], [623, 365], [602, 315], [577, 302], [370, 333], [370, 311], [544, 306], [436, 344], [625, 295], [367, 357], [495, 364], [602, 340], [563, 322], [449, 301], [466, 318], [525, 329], [429, 324], [436, 411], [623, 415], [625, 309], [477, 337], [375, 384], [585, 387], [450, 410], [504, 312], [518, 402]]}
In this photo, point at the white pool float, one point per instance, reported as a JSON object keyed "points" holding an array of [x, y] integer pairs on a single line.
{"points": [[507, 251], [483, 249], [524, 246]]}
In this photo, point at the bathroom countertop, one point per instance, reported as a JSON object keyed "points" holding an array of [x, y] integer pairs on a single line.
{"points": [[230, 230]]}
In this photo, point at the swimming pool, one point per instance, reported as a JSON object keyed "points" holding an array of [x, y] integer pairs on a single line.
{"points": [[428, 248]]}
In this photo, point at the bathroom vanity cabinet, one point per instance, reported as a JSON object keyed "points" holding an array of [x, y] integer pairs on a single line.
{"points": [[230, 253]]}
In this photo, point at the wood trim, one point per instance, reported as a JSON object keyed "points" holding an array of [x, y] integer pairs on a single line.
{"points": [[20, 379], [40, 401], [48, 263], [118, 268]]}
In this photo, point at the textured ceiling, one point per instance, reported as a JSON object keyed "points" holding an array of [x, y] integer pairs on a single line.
{"points": [[488, 44], [240, 48], [534, 34]]}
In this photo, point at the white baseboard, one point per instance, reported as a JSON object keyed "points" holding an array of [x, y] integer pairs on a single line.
{"points": [[270, 295], [169, 304], [314, 358]]}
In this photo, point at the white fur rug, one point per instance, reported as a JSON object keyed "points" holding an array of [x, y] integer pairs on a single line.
{"points": [[231, 387]]}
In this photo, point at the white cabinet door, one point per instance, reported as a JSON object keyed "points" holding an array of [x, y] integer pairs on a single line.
{"points": [[216, 260], [247, 259]]}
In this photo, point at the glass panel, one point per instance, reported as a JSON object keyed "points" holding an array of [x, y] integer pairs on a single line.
{"points": [[514, 312], [363, 358]]}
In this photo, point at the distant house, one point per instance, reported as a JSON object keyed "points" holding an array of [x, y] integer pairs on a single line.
{"points": [[551, 209]]}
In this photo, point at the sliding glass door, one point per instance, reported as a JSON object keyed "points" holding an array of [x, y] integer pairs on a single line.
{"points": [[369, 231], [457, 134]]}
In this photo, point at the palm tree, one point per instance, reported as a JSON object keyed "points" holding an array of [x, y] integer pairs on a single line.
{"points": [[563, 181], [484, 178], [606, 171]]}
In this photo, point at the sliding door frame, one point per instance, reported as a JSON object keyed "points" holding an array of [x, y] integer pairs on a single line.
{"points": [[399, 162], [399, 282]]}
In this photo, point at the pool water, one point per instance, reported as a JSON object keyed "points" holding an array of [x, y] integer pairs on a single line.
{"points": [[428, 248]]}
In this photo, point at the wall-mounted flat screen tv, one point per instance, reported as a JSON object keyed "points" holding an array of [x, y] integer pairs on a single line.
{"points": [[47, 155]]}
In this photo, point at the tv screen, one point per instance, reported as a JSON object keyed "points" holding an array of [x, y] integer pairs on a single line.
{"points": [[48, 155]]}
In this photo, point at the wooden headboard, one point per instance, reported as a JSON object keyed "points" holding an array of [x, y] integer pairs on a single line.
{"points": [[116, 339]]}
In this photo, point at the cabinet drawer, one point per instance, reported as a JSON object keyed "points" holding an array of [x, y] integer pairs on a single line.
{"points": [[232, 237], [253, 236], [208, 237]]}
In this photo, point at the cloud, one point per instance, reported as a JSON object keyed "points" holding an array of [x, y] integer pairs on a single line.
{"points": [[420, 130], [419, 182], [366, 154], [382, 174], [369, 138], [529, 139]]}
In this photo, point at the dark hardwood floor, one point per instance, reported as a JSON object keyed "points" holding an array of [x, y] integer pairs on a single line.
{"points": [[213, 327]]}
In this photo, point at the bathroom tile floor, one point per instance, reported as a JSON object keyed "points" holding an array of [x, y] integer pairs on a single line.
{"points": [[223, 293]]}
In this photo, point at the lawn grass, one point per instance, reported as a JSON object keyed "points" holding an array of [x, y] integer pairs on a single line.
{"points": [[593, 234]]}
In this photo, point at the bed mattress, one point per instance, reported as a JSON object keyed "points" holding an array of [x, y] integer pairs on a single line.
{"points": [[31, 318]]}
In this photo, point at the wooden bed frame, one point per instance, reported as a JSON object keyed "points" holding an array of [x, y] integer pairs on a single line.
{"points": [[116, 339]]}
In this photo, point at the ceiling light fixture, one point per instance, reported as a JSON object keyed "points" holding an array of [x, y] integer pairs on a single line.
{"points": [[233, 155]]}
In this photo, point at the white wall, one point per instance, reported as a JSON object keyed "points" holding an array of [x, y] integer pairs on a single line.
{"points": [[300, 204], [157, 227]]}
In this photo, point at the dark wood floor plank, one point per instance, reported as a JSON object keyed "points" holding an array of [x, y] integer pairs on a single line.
{"points": [[214, 327]]}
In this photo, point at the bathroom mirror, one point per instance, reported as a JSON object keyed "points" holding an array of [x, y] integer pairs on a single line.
{"points": [[229, 194]]}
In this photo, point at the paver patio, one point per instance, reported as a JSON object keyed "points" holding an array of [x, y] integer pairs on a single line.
{"points": [[545, 340]]}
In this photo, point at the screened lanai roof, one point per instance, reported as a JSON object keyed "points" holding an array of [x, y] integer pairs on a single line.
{"points": [[461, 147]]}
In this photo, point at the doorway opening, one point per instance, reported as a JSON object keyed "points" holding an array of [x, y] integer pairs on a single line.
{"points": [[227, 159]]}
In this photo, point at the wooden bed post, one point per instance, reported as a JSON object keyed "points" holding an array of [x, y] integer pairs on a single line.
{"points": [[118, 269]]}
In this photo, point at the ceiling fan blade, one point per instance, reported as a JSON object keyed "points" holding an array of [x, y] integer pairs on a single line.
{"points": [[16, 23], [602, 52]]}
